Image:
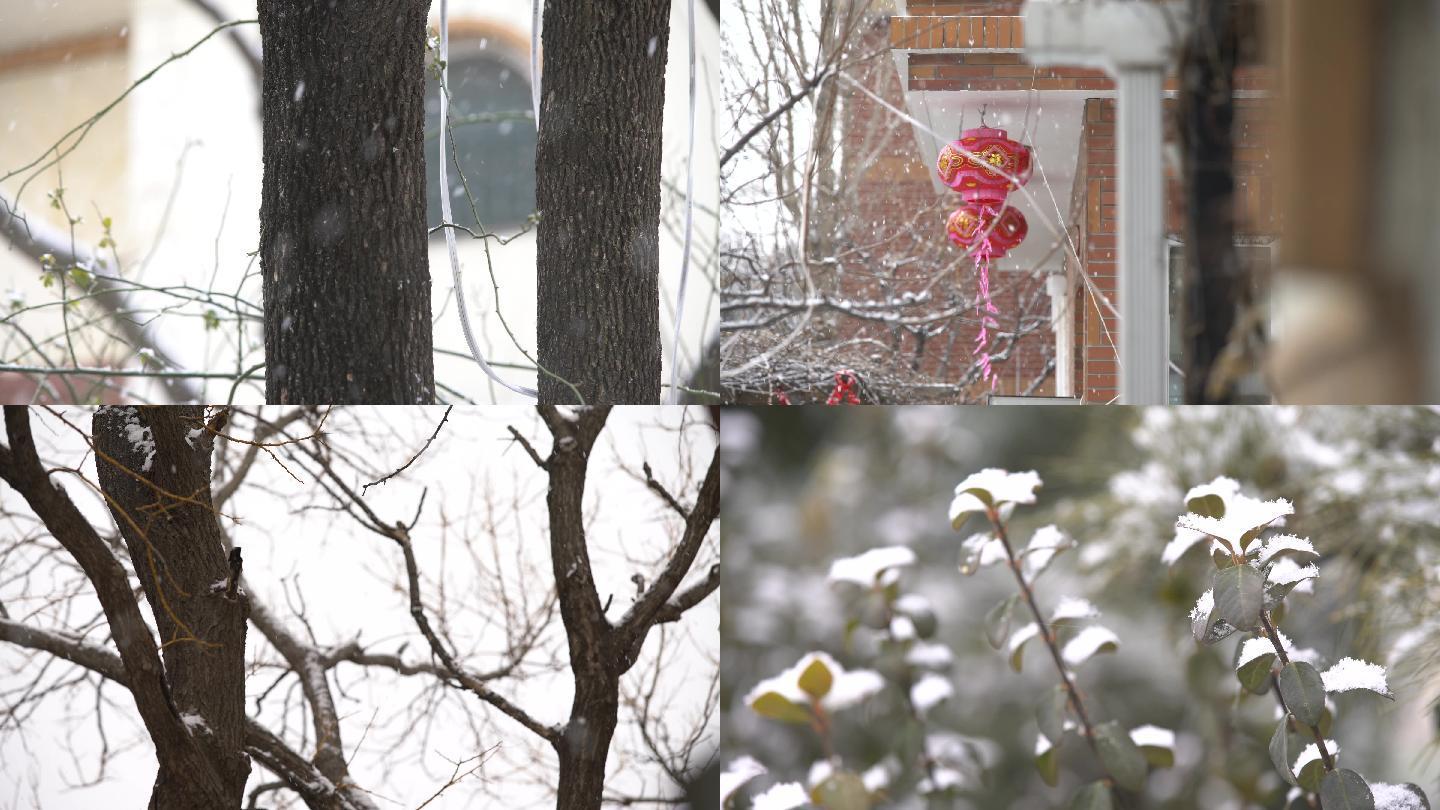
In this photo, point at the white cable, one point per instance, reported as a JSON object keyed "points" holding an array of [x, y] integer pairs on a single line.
{"points": [[535, 8], [445, 210], [689, 221]]}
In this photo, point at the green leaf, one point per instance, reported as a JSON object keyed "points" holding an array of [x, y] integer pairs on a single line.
{"points": [[212, 321], [778, 707], [1207, 505], [1254, 675], [1344, 789], [1094, 796], [1303, 691], [1122, 758], [841, 791], [922, 616], [1017, 651], [1310, 775], [1158, 756], [1239, 592], [1048, 764], [1050, 714], [1280, 750], [997, 622], [817, 679]]}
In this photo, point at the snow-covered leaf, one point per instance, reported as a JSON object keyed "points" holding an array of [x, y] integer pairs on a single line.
{"points": [[868, 568], [980, 551], [1050, 713], [1093, 639], [1399, 797], [930, 691], [1017, 644], [739, 772], [1255, 663], [1071, 608], [1244, 518], [991, 488], [1209, 499], [1047, 543], [1157, 744], [784, 796], [816, 679], [997, 621], [846, 689], [1352, 673], [1286, 544], [930, 656]]}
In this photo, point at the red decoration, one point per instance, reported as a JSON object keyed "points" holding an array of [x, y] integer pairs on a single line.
{"points": [[981, 178], [844, 393], [985, 226]]}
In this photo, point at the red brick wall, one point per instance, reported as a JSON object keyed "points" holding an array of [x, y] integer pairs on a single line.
{"points": [[897, 201]]}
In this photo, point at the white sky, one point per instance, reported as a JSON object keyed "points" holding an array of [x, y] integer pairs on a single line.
{"points": [[345, 574]]}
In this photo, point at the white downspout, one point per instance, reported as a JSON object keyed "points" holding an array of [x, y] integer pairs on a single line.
{"points": [[1062, 322], [1133, 42]]}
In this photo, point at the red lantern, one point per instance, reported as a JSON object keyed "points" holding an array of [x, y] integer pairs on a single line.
{"points": [[982, 178], [973, 222], [984, 165]]}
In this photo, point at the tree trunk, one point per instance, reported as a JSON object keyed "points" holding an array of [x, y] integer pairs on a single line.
{"points": [[1215, 283], [586, 743], [597, 166], [154, 468], [342, 210]]}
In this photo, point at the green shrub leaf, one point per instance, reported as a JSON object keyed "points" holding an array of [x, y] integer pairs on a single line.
{"points": [[841, 791], [1048, 764], [817, 679], [1050, 714], [778, 707], [1345, 789], [1280, 751], [1303, 691], [1094, 796], [1239, 593], [997, 622], [1121, 756]]}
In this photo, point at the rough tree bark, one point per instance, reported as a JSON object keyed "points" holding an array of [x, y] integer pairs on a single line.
{"points": [[342, 210], [1215, 284], [597, 166], [158, 490]]}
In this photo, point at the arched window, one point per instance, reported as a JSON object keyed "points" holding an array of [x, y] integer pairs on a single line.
{"points": [[497, 156]]}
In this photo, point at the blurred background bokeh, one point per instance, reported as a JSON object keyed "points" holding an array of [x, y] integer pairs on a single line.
{"points": [[804, 486]]}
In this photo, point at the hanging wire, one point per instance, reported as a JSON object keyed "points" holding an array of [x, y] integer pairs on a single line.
{"points": [[445, 210], [689, 224]]}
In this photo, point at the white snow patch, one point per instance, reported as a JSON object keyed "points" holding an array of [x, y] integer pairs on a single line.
{"points": [[1225, 487], [866, 568], [1287, 571], [1396, 797], [1185, 539], [1079, 649], [141, 439], [902, 629], [1044, 545], [912, 603], [1312, 753], [783, 796], [1204, 606], [1074, 608], [1024, 634], [1258, 646], [930, 691], [193, 434], [740, 771], [1352, 673], [945, 779], [930, 656], [194, 723], [1153, 737], [879, 776], [987, 547], [1285, 542]]}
